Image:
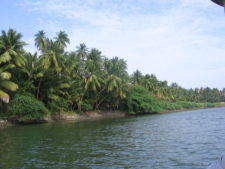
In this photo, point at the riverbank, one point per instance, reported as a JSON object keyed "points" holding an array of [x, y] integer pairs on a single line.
{"points": [[186, 109], [215, 105], [85, 116], [73, 117], [97, 115]]}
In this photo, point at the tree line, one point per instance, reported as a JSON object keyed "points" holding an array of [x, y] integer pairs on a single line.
{"points": [[79, 80]]}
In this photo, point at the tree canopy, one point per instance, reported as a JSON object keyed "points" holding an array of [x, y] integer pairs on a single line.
{"points": [[83, 79]]}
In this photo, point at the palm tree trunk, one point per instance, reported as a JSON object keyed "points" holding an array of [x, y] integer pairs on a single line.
{"points": [[97, 98], [38, 89], [100, 102]]}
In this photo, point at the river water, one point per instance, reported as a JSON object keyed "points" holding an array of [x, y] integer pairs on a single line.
{"points": [[182, 140]]}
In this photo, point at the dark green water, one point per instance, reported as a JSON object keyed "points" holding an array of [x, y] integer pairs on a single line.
{"points": [[183, 140]]}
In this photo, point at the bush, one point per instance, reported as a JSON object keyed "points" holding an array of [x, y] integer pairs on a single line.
{"points": [[165, 105], [58, 105], [86, 107], [25, 108], [210, 105], [140, 101]]}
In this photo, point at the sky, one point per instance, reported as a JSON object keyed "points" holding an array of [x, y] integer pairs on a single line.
{"points": [[180, 41]]}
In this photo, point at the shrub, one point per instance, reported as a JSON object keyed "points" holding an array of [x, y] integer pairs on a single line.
{"points": [[86, 107], [140, 101], [25, 108], [211, 105], [58, 105]]}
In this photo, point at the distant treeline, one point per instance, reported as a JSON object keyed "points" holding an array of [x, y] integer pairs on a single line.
{"points": [[80, 80]]}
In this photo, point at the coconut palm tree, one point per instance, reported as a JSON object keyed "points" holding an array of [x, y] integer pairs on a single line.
{"points": [[82, 51], [137, 77], [5, 84], [73, 65], [62, 39], [52, 51], [11, 46], [32, 67], [34, 71], [116, 67], [94, 62], [93, 82], [52, 56], [112, 91], [113, 82], [40, 40]]}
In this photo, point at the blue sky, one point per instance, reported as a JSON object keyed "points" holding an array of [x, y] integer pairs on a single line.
{"points": [[179, 41]]}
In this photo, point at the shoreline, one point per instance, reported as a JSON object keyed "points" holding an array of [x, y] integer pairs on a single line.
{"points": [[72, 117], [189, 109], [94, 115]]}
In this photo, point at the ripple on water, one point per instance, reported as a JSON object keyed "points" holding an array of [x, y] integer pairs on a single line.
{"points": [[183, 140]]}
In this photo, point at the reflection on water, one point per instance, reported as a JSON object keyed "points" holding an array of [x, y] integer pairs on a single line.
{"points": [[183, 140]]}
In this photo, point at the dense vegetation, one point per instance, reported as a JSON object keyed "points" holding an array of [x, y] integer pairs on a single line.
{"points": [[26, 108], [81, 80]]}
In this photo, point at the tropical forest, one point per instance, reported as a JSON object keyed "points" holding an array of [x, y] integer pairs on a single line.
{"points": [[55, 81]]}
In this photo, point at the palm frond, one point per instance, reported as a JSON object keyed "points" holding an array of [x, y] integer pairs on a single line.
{"points": [[9, 85], [5, 75], [5, 57], [4, 96]]}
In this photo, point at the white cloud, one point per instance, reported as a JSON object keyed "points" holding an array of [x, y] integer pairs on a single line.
{"points": [[178, 40]]}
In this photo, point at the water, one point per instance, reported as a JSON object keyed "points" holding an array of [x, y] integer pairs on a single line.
{"points": [[182, 140]]}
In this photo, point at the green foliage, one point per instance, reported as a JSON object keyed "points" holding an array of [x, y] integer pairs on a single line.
{"points": [[58, 104], [186, 105], [86, 106], [25, 108], [139, 101], [85, 80], [2, 109], [5, 84], [10, 47], [166, 105]]}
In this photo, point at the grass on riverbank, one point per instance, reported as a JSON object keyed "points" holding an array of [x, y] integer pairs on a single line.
{"points": [[165, 105], [139, 101]]}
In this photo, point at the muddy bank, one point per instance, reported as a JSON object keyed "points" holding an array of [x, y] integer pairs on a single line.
{"points": [[70, 117], [84, 116]]}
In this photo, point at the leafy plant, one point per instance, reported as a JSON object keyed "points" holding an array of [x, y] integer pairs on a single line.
{"points": [[139, 101], [25, 108]]}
